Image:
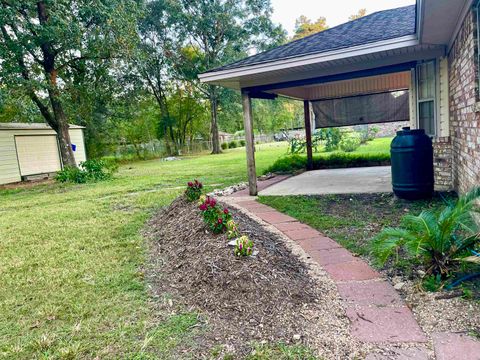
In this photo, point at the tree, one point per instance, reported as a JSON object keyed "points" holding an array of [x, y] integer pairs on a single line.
{"points": [[361, 13], [305, 27], [217, 32], [42, 43]]}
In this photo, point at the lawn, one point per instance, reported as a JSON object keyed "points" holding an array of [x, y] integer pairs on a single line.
{"points": [[353, 219], [71, 260]]}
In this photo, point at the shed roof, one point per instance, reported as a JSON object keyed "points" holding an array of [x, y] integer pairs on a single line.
{"points": [[31, 126], [382, 25]]}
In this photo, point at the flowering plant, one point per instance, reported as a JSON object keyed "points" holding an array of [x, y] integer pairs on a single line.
{"points": [[194, 190], [214, 215], [244, 246], [232, 229]]}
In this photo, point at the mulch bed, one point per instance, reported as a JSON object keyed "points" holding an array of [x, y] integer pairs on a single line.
{"points": [[243, 300]]}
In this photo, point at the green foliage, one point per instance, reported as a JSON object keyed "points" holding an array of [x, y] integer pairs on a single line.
{"points": [[193, 191], [440, 239], [89, 171], [331, 137], [232, 229], [224, 146], [432, 283], [215, 216], [350, 142], [232, 144], [243, 246], [242, 143], [292, 163], [305, 27]]}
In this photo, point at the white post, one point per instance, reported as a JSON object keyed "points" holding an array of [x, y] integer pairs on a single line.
{"points": [[249, 142]]}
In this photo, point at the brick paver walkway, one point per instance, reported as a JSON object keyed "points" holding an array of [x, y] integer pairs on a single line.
{"points": [[376, 311]]}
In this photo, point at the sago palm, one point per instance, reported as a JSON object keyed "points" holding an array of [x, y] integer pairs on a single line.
{"points": [[439, 239]]}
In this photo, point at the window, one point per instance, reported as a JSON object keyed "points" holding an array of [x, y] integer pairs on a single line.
{"points": [[426, 94]]}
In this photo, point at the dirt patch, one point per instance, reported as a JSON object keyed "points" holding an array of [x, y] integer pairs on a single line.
{"points": [[268, 298]]}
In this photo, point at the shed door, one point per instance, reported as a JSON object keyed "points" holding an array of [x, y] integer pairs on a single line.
{"points": [[37, 154]]}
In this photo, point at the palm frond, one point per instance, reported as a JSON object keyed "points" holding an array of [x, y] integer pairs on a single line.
{"points": [[387, 243], [470, 259]]}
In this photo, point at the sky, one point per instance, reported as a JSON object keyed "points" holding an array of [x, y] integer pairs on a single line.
{"points": [[337, 12]]}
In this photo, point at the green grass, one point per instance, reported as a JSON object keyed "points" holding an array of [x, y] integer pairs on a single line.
{"points": [[352, 219], [71, 260], [373, 153]]}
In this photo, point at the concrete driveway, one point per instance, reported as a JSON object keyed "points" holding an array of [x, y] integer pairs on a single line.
{"points": [[375, 179]]}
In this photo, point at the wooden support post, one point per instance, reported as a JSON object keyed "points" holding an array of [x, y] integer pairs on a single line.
{"points": [[249, 142], [308, 134]]}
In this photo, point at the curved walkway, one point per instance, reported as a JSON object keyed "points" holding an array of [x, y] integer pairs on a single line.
{"points": [[376, 312]]}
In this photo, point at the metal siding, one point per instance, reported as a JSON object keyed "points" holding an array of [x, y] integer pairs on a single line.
{"points": [[76, 137], [37, 154], [9, 171]]}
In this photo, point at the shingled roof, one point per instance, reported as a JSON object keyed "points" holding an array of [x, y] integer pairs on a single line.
{"points": [[382, 25]]}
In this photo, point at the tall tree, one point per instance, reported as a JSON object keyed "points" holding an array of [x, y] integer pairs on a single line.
{"points": [[218, 32], [358, 15], [305, 27], [43, 42]]}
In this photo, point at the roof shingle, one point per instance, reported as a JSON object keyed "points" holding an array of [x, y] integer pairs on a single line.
{"points": [[382, 25]]}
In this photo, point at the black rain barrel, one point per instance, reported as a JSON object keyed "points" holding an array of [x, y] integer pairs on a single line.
{"points": [[412, 164]]}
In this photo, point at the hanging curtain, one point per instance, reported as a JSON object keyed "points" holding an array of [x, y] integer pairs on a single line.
{"points": [[362, 109]]}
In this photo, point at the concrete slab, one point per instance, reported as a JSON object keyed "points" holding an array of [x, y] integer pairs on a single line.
{"points": [[450, 346], [384, 325], [374, 179]]}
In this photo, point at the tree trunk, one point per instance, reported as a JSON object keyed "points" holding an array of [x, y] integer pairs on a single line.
{"points": [[58, 121], [214, 121]]}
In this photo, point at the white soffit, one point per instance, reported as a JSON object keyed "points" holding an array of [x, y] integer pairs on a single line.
{"points": [[440, 19]]}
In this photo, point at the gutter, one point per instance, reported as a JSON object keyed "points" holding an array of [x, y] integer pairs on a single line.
{"points": [[391, 44]]}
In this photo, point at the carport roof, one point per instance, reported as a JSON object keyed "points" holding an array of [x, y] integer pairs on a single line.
{"points": [[379, 26]]}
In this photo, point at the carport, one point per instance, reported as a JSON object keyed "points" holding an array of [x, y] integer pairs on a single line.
{"points": [[343, 75]]}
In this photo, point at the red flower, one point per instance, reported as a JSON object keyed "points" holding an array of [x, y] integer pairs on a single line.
{"points": [[203, 207], [220, 221], [190, 184], [225, 211]]}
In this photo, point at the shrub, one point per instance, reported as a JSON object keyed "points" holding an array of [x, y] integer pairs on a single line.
{"points": [[232, 144], [293, 163], [215, 216], [193, 191], [242, 143], [90, 170], [244, 246], [440, 240], [224, 146], [350, 143], [332, 138]]}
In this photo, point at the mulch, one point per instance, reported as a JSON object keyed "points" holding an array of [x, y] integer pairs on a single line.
{"points": [[259, 299]]}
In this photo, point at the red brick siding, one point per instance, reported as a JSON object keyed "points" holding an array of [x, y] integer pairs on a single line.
{"points": [[464, 120]]}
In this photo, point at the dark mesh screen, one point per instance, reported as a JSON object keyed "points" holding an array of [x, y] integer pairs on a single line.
{"points": [[363, 109]]}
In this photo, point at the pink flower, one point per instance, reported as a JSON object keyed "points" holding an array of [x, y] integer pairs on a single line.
{"points": [[225, 211], [240, 246], [190, 184], [203, 207], [220, 221]]}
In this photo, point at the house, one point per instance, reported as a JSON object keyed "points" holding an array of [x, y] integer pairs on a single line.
{"points": [[31, 150], [421, 61]]}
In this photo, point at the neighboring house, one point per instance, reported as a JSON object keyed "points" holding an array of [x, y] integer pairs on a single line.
{"points": [[418, 63], [225, 137], [31, 150]]}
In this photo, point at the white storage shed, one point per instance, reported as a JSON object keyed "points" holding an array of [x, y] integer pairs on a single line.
{"points": [[28, 150]]}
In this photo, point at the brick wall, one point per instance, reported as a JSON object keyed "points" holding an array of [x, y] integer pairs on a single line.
{"points": [[442, 161], [464, 118]]}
